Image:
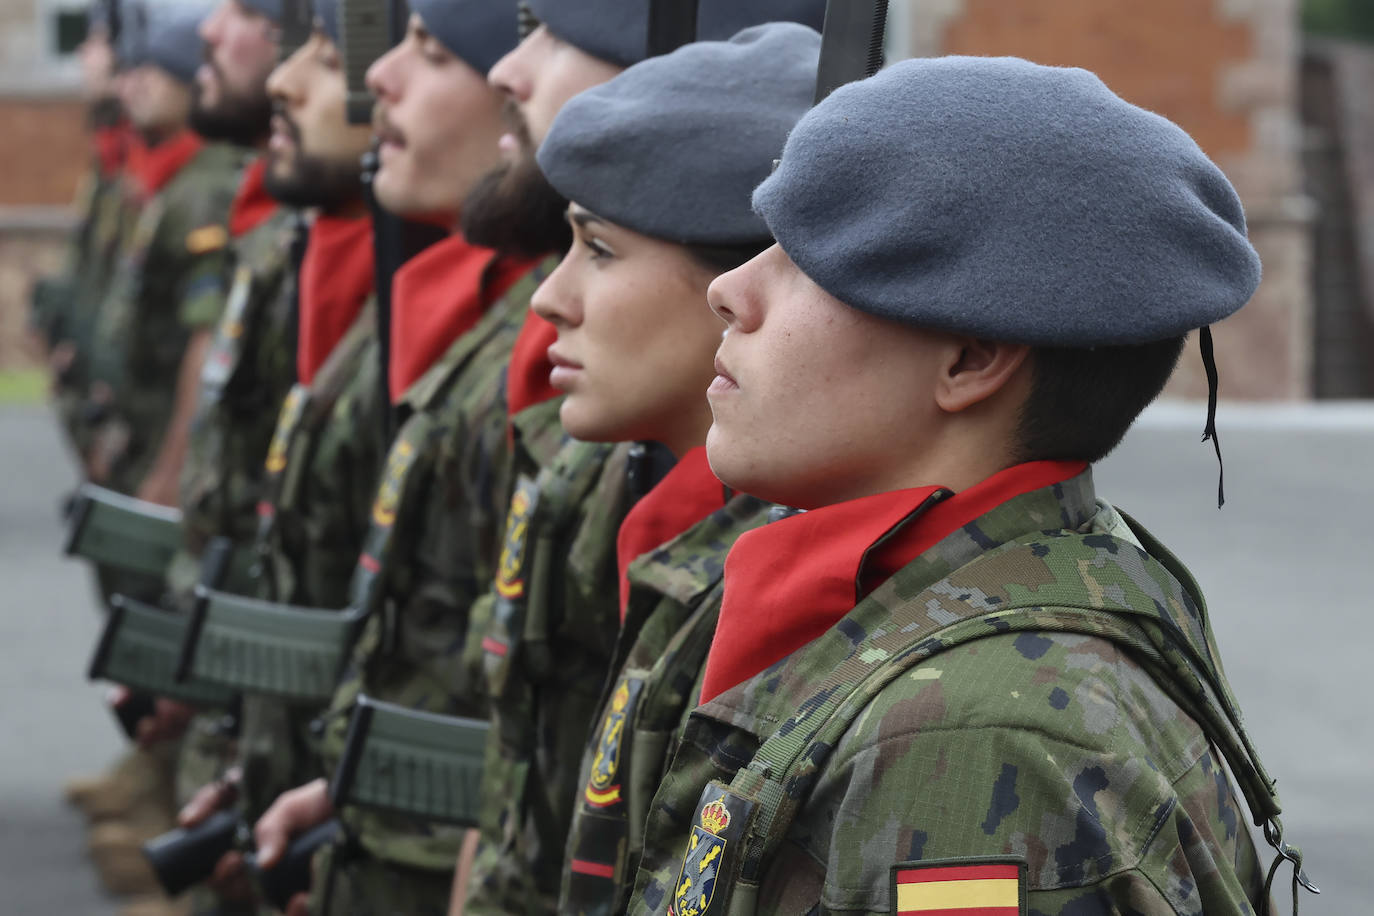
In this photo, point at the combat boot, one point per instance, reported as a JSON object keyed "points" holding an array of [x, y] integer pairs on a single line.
{"points": [[139, 776]]}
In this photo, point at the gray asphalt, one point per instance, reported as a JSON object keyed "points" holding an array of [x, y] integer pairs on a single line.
{"points": [[1285, 566]]}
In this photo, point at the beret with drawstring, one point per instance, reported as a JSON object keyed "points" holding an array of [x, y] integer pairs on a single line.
{"points": [[1011, 201]]}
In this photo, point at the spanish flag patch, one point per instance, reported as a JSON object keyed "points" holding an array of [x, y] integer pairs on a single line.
{"points": [[960, 887], [207, 239]]}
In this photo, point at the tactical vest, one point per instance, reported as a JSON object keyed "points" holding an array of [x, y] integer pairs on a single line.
{"points": [[661, 660], [738, 827], [517, 649], [303, 419], [247, 372], [260, 646]]}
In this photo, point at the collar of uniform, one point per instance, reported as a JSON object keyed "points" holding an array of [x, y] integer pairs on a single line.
{"points": [[686, 495], [527, 379], [335, 279], [507, 308], [152, 167], [539, 433], [692, 563], [252, 205], [769, 697]]}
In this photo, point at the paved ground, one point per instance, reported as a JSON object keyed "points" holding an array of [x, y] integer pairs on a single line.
{"points": [[1285, 566]]}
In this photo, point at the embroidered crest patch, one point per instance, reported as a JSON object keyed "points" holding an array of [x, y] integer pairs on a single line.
{"points": [[398, 464], [982, 886], [287, 421], [603, 790], [510, 582], [696, 883], [207, 239]]}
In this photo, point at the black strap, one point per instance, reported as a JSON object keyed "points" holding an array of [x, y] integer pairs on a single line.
{"points": [[852, 43], [672, 24], [1209, 365]]}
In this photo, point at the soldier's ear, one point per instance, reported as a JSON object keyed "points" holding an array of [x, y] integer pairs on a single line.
{"points": [[978, 371]]}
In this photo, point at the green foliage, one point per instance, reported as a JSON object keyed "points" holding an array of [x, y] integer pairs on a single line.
{"points": [[1339, 18], [23, 386]]}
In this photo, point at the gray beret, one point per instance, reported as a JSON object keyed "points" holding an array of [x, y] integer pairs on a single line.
{"points": [[172, 36], [269, 8], [327, 12], [481, 32], [618, 30], [1011, 201], [672, 147]]}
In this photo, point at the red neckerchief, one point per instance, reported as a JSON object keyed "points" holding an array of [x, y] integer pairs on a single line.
{"points": [[335, 280], [151, 167], [439, 295], [252, 204], [112, 148], [527, 379], [787, 583], [685, 496]]}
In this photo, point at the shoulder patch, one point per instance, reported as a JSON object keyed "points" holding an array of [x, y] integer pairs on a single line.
{"points": [[987, 886], [207, 239]]}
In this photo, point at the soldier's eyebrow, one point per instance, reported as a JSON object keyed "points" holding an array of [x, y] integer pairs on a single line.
{"points": [[583, 218]]}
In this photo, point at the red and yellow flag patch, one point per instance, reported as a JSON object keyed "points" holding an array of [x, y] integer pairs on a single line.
{"points": [[960, 887]]}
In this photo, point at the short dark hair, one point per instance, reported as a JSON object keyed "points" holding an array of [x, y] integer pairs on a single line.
{"points": [[1082, 401]]}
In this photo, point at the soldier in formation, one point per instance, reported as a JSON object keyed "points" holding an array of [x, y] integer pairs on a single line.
{"points": [[505, 584]]}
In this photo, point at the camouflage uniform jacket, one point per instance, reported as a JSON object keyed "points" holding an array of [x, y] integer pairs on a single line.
{"points": [[65, 306], [248, 371], [1065, 751], [322, 466], [547, 653], [168, 282], [321, 470], [435, 531], [660, 657]]}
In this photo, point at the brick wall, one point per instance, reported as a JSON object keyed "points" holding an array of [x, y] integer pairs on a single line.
{"points": [[43, 145], [1227, 72]]}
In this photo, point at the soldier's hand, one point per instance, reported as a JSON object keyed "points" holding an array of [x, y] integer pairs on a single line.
{"points": [[162, 489], [217, 796], [61, 357], [291, 814], [229, 880], [168, 721]]}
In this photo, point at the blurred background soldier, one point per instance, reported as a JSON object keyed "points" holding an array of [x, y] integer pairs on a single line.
{"points": [[63, 305], [147, 344]]}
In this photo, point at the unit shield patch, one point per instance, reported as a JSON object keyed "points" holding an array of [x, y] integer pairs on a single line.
{"points": [[287, 421], [398, 464], [988, 886], [696, 883], [603, 789], [510, 581]]}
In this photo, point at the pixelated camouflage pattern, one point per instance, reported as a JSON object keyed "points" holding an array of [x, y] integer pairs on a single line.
{"points": [[320, 514], [1062, 747], [545, 693], [158, 294], [349, 884], [317, 522], [669, 624], [250, 367], [443, 522]]}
